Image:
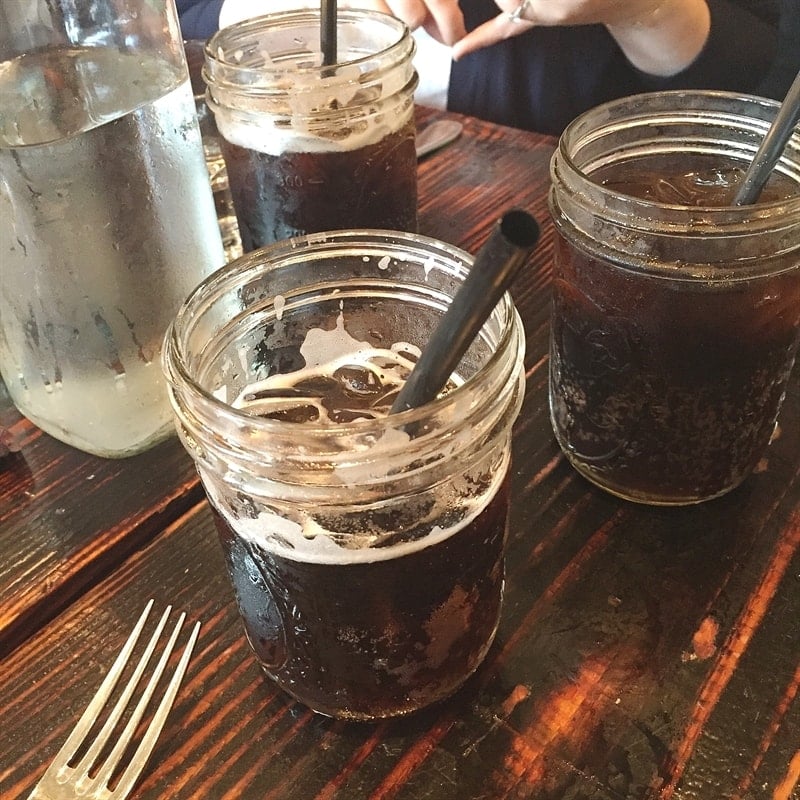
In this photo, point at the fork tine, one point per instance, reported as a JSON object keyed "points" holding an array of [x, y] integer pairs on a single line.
{"points": [[89, 758], [139, 758], [111, 761], [89, 717], [64, 779]]}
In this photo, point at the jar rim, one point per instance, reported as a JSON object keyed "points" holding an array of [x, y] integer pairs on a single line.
{"points": [[262, 77], [665, 239], [237, 273], [649, 109]]}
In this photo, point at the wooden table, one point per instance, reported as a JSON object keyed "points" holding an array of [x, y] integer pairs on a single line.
{"points": [[643, 652]]}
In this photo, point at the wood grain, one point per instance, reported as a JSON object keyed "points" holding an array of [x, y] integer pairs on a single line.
{"points": [[66, 518], [643, 654]]}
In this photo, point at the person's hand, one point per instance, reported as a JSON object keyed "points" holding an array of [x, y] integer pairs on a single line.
{"points": [[441, 19], [504, 26], [659, 36]]}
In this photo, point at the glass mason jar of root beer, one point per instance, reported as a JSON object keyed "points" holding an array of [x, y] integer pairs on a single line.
{"points": [[676, 314], [310, 147], [366, 549]]}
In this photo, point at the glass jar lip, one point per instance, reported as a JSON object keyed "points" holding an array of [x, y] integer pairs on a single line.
{"points": [[673, 106], [236, 272], [253, 78]]}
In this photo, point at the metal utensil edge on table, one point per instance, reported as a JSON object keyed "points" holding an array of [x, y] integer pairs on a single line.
{"points": [[437, 134]]}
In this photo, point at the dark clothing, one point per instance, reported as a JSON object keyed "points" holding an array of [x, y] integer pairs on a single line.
{"points": [[547, 76], [787, 64], [199, 18], [544, 78]]}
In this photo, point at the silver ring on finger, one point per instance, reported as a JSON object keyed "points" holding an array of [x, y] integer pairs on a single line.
{"points": [[516, 15]]}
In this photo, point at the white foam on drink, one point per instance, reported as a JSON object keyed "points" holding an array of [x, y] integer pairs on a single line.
{"points": [[325, 352], [303, 538], [299, 128], [407, 347], [221, 394], [308, 542], [265, 137], [321, 347]]}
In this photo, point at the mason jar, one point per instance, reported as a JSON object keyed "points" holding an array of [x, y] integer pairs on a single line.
{"points": [[309, 146], [366, 550], [676, 314]]}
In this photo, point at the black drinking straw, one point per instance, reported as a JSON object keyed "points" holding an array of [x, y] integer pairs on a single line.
{"points": [[496, 264], [327, 32], [771, 147]]}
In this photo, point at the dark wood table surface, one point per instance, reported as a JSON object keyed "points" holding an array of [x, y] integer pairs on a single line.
{"points": [[643, 652]]}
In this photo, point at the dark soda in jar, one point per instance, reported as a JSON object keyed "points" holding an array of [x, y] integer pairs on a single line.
{"points": [[366, 548], [373, 638], [663, 388], [310, 145], [406, 606], [292, 193]]}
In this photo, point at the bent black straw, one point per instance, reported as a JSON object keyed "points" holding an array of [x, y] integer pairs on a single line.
{"points": [[327, 32], [771, 147], [495, 266]]}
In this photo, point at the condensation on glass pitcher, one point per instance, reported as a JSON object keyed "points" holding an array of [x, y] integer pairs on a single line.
{"points": [[82, 324]]}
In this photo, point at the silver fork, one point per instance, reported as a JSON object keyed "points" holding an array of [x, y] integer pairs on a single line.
{"points": [[66, 780]]}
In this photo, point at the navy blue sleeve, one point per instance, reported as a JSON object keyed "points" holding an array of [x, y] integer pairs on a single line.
{"points": [[547, 76], [737, 56], [542, 79], [787, 62], [199, 18]]}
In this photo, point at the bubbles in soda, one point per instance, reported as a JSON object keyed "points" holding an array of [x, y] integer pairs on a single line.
{"points": [[704, 183]]}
